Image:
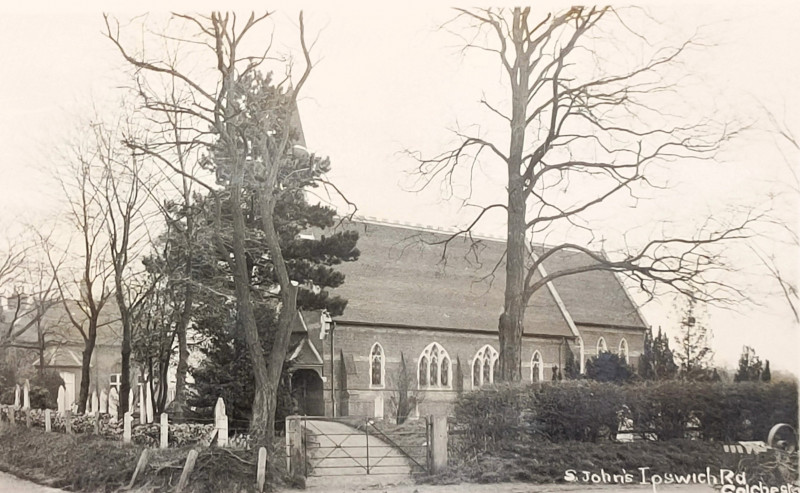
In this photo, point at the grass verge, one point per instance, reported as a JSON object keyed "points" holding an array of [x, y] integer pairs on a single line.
{"points": [[546, 462], [91, 463]]}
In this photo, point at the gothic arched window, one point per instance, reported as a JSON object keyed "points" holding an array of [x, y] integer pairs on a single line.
{"points": [[601, 346], [434, 367], [376, 366], [484, 366], [623, 350], [537, 367]]}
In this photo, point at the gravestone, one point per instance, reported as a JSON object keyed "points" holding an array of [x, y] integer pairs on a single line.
{"points": [[62, 399], [142, 412], [104, 402], [149, 403], [95, 403], [127, 422], [164, 442], [113, 402], [48, 421], [17, 397], [221, 423], [261, 471], [26, 395]]}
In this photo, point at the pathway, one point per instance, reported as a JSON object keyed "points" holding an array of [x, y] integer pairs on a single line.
{"points": [[9, 484], [505, 488], [342, 455]]}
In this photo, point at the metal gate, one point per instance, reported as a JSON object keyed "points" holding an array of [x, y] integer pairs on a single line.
{"points": [[361, 446]]}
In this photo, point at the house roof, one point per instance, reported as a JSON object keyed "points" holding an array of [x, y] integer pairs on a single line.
{"points": [[402, 279], [59, 327]]}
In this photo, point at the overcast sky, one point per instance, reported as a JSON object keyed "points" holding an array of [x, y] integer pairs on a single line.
{"points": [[388, 79]]}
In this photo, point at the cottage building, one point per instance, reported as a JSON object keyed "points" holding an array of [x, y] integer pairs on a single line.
{"points": [[410, 305]]}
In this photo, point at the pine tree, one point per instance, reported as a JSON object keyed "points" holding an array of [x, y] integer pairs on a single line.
{"points": [[693, 352], [749, 366], [657, 361], [226, 369], [766, 375]]}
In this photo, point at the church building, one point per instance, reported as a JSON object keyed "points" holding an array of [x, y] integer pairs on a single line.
{"points": [[409, 307]]}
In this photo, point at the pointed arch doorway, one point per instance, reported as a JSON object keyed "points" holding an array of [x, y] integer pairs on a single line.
{"points": [[307, 392]]}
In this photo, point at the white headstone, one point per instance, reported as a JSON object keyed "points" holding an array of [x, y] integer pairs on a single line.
{"points": [[142, 412], [48, 423], [221, 423], [17, 397], [26, 395], [113, 402], [127, 422], [62, 399], [164, 442], [104, 402], [149, 403], [95, 403]]}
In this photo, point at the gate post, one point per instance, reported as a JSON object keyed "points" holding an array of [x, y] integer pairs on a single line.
{"points": [[294, 446], [438, 443]]}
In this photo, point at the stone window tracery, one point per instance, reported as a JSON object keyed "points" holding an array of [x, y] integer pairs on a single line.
{"points": [[484, 366], [434, 367]]}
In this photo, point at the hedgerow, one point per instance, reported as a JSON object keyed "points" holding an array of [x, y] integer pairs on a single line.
{"points": [[587, 411]]}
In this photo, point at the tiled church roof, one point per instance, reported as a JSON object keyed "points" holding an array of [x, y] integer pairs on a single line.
{"points": [[401, 279]]}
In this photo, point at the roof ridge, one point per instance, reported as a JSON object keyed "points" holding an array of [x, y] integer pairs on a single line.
{"points": [[420, 227]]}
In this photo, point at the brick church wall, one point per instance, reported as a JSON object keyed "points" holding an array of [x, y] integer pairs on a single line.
{"points": [[354, 343]]}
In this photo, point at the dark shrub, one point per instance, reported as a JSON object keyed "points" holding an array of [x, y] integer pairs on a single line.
{"points": [[609, 367], [492, 415], [579, 410]]}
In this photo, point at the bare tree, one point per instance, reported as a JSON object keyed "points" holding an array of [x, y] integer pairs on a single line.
{"points": [[579, 129], [244, 124], [44, 298], [785, 232], [121, 185], [84, 276], [27, 310]]}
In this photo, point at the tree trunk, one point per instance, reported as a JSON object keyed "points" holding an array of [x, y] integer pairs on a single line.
{"points": [[277, 355], [125, 378], [264, 398], [186, 314], [183, 351], [41, 347], [88, 349], [512, 318]]}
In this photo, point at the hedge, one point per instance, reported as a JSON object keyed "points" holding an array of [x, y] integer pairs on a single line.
{"points": [[589, 411]]}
